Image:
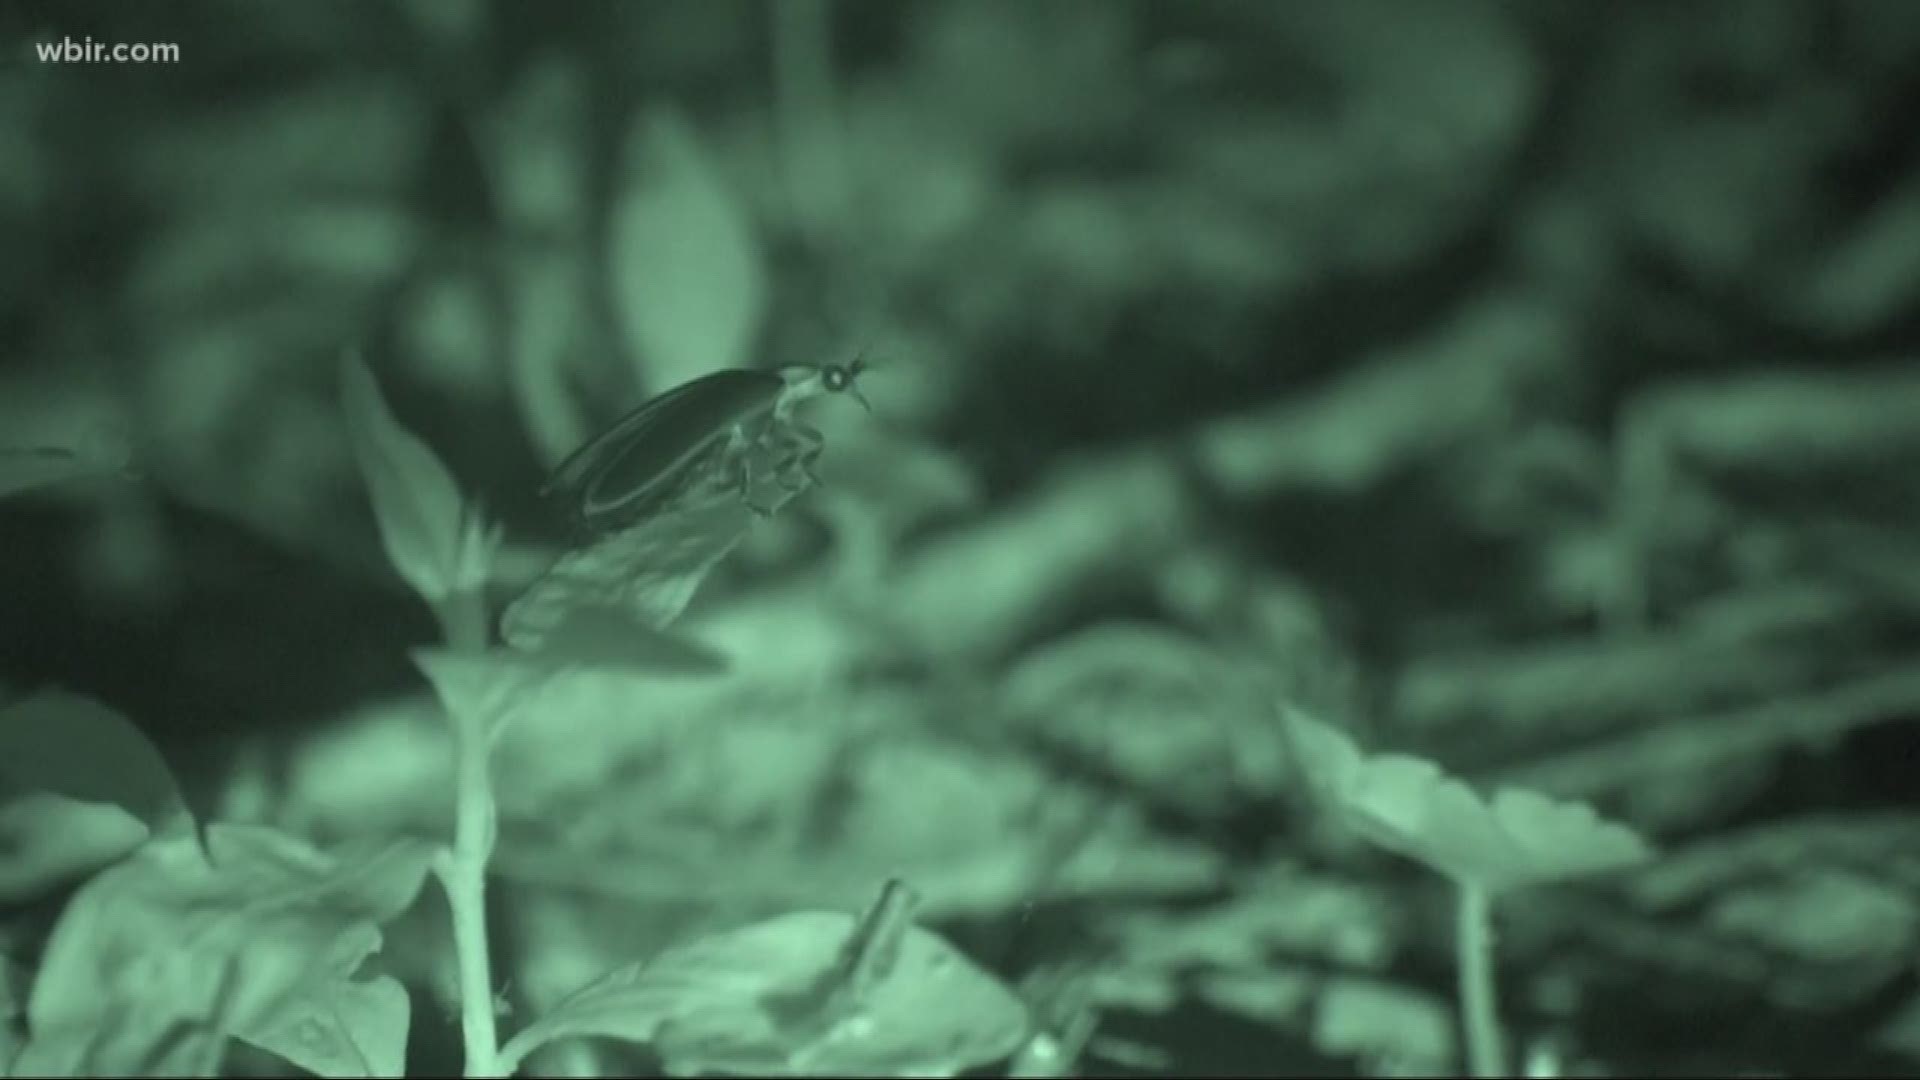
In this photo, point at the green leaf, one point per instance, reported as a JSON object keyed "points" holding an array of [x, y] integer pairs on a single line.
{"points": [[422, 517], [47, 839], [686, 272], [60, 743], [1408, 805], [278, 923], [804, 994], [347, 1028], [155, 1022], [1406, 1031]]}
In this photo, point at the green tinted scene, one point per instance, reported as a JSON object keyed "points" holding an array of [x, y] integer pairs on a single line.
{"points": [[991, 538]]}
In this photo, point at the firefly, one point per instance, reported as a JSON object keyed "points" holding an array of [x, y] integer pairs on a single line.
{"points": [[728, 429]]}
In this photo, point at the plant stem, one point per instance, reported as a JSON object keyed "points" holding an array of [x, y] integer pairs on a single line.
{"points": [[1479, 1004], [463, 869]]}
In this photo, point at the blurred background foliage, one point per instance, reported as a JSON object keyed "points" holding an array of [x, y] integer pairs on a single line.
{"points": [[1529, 385]]}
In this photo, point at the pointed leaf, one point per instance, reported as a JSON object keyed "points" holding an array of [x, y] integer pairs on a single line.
{"points": [[686, 271], [48, 839], [61, 743], [422, 517]]}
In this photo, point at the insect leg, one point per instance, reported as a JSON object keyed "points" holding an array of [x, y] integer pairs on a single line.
{"points": [[774, 445], [793, 447], [745, 479], [737, 465], [789, 483], [808, 444]]}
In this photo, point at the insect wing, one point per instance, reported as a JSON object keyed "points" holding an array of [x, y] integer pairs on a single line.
{"points": [[624, 468], [574, 474]]}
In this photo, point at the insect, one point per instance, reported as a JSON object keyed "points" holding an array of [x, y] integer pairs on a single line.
{"points": [[724, 430]]}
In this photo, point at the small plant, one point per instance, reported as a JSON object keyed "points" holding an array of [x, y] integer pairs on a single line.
{"points": [[1486, 847], [800, 995], [196, 936]]}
